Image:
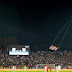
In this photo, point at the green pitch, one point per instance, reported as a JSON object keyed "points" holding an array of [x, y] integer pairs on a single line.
{"points": [[34, 71]]}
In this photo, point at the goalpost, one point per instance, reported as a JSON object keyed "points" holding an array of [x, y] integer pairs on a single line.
{"points": [[42, 66]]}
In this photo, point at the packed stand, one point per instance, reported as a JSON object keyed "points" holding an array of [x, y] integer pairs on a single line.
{"points": [[39, 57]]}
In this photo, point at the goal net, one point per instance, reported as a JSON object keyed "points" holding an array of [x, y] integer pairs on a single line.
{"points": [[42, 66]]}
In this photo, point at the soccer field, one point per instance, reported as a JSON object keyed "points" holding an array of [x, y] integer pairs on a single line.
{"points": [[34, 71]]}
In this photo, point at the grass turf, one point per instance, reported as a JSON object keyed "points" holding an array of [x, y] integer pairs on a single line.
{"points": [[34, 71]]}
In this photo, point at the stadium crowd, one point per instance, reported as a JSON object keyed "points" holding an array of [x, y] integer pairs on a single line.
{"points": [[39, 57]]}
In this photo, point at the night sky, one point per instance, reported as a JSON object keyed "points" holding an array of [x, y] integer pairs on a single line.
{"points": [[36, 24]]}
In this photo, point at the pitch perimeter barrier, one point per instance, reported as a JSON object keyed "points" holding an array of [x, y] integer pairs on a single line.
{"points": [[33, 70]]}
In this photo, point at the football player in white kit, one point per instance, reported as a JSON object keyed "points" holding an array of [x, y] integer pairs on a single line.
{"points": [[14, 68], [24, 68], [56, 68], [59, 67], [45, 68]]}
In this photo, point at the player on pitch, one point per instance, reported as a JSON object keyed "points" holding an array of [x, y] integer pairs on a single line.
{"points": [[47, 68], [14, 68], [56, 68], [59, 67], [24, 68], [50, 68]]}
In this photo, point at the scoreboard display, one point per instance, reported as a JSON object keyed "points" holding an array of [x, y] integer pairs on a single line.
{"points": [[19, 49]]}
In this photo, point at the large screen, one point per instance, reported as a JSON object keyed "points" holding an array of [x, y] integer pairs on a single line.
{"points": [[19, 50]]}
